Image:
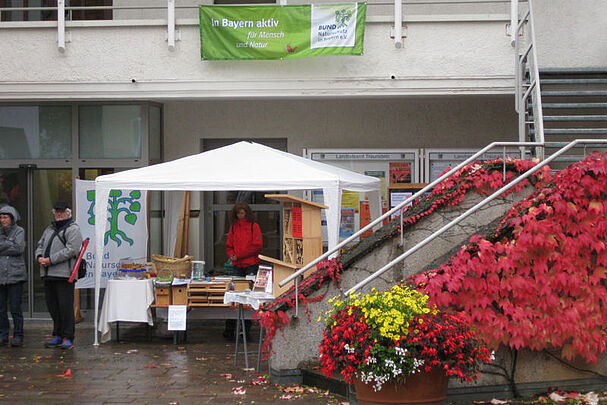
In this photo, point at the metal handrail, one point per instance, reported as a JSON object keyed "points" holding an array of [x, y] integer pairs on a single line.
{"points": [[399, 207], [528, 57], [470, 211], [195, 6]]}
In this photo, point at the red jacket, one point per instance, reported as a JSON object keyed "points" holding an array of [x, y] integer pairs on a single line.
{"points": [[244, 242]]}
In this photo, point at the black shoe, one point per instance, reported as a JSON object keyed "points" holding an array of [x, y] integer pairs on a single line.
{"points": [[17, 341]]}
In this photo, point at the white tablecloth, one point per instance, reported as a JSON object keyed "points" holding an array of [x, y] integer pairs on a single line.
{"points": [[126, 300], [254, 299]]}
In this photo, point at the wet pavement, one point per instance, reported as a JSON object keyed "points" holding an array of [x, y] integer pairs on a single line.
{"points": [[139, 371]]}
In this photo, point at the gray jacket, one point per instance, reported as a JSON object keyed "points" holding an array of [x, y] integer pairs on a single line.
{"points": [[12, 245], [62, 256]]}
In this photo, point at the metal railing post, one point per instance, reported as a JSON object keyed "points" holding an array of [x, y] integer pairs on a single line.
{"points": [[61, 25], [171, 24], [398, 23]]}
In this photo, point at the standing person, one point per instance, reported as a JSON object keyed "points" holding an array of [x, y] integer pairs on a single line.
{"points": [[56, 253], [243, 247], [12, 275]]}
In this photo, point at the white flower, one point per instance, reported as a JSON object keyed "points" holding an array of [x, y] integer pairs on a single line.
{"points": [[349, 349]]}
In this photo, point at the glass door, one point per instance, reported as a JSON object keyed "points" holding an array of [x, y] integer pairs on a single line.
{"points": [[267, 215], [33, 192], [218, 204]]}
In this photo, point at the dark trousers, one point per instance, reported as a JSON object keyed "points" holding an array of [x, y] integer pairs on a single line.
{"points": [[10, 299], [60, 302], [241, 272]]}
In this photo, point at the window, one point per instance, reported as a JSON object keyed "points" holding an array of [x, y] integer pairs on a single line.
{"points": [[36, 14], [110, 131], [33, 132]]}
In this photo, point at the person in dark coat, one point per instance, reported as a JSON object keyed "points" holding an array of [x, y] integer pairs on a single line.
{"points": [[56, 253], [13, 275]]}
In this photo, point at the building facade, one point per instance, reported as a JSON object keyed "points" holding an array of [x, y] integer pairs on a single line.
{"points": [[111, 92]]}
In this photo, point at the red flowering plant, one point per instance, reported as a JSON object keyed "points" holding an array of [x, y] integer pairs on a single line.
{"points": [[386, 336]]}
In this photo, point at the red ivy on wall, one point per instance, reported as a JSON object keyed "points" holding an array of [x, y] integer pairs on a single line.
{"points": [[483, 178], [541, 280]]}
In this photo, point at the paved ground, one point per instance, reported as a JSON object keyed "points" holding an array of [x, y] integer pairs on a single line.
{"points": [[137, 371]]}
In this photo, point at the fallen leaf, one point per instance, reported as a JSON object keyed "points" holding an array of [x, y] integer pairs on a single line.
{"points": [[556, 397], [288, 397], [150, 366], [132, 351], [295, 388], [68, 373], [591, 398], [260, 380]]}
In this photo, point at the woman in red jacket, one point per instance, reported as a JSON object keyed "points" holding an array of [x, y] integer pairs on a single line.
{"points": [[244, 240], [243, 247]]}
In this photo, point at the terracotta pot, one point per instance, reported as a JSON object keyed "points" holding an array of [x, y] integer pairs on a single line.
{"points": [[418, 389]]}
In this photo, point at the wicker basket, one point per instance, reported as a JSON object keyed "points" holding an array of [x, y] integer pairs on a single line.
{"points": [[180, 268]]}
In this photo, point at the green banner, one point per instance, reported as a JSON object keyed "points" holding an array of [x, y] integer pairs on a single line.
{"points": [[281, 32]]}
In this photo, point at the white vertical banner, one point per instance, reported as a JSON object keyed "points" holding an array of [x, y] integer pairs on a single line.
{"points": [[126, 234]]}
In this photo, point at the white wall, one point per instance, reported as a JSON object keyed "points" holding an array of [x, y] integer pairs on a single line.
{"points": [[571, 33], [446, 57], [429, 122]]}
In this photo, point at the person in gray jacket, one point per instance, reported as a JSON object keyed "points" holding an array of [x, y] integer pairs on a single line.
{"points": [[56, 253], [12, 275]]}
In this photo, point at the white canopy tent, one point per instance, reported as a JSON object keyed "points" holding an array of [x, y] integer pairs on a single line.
{"points": [[240, 166]]}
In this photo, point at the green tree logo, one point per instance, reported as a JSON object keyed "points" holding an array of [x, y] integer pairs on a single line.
{"points": [[342, 17], [117, 206]]}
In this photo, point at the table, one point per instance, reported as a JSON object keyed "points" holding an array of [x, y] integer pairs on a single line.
{"points": [[254, 299], [126, 300]]}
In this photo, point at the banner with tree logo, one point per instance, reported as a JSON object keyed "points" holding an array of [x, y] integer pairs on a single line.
{"points": [[281, 32], [126, 234]]}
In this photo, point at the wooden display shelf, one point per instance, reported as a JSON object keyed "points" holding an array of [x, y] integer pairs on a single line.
{"points": [[280, 271], [207, 294]]}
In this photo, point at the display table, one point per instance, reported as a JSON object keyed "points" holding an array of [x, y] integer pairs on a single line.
{"points": [[126, 300], [254, 299]]}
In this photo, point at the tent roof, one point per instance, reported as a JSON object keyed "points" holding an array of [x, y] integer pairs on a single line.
{"points": [[240, 166]]}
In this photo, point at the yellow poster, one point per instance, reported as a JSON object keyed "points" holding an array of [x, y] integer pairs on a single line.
{"points": [[349, 199]]}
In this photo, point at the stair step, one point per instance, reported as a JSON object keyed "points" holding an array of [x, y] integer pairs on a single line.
{"points": [[573, 131], [336, 384], [583, 93], [574, 117], [574, 105], [572, 71], [573, 81]]}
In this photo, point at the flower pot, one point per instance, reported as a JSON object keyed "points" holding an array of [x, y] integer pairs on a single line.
{"points": [[419, 389]]}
